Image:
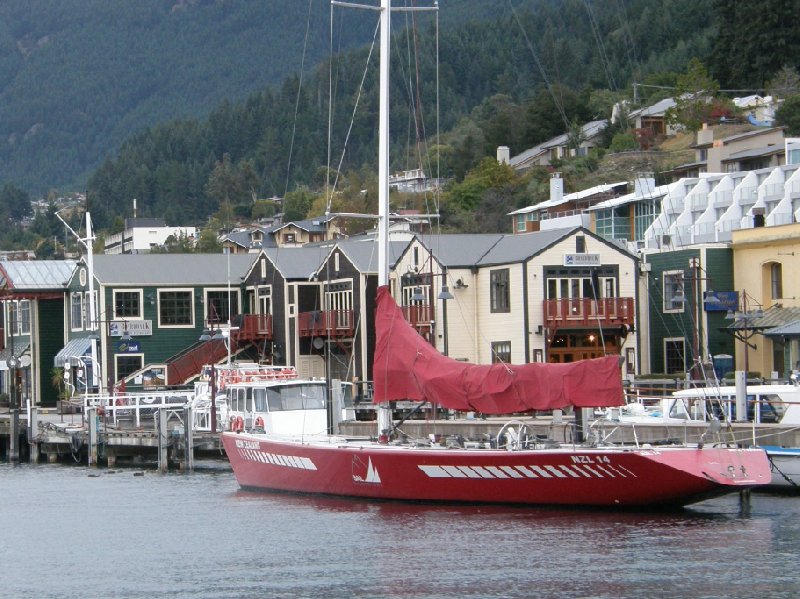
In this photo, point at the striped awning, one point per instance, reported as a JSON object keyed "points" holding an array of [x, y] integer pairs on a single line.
{"points": [[75, 348]]}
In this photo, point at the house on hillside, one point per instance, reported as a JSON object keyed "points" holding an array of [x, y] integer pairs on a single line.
{"points": [[556, 148], [560, 210], [300, 232]]}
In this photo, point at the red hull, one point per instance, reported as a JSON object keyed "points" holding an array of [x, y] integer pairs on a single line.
{"points": [[573, 476]]}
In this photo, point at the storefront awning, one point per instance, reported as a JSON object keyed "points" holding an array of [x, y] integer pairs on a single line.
{"points": [[74, 348]]}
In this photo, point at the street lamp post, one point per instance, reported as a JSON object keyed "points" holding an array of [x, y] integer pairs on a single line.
{"points": [[13, 449], [210, 335], [743, 330]]}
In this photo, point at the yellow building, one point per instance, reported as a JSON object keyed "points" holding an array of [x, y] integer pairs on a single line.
{"points": [[766, 264]]}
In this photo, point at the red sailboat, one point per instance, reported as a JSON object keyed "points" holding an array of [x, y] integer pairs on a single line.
{"points": [[284, 454]]}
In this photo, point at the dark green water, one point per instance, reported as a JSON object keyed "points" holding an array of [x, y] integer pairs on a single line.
{"points": [[70, 531]]}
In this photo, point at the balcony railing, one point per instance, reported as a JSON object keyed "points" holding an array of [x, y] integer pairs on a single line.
{"points": [[328, 323], [419, 316], [253, 327], [583, 312]]}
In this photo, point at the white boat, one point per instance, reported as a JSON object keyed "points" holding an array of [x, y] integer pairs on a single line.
{"points": [[515, 468], [775, 406]]}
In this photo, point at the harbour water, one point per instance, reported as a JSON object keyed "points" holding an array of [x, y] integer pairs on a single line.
{"points": [[72, 531]]}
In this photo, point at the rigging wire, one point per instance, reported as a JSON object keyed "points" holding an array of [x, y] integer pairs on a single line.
{"points": [[600, 46], [297, 100], [559, 105]]}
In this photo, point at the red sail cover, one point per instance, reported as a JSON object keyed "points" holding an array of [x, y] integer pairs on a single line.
{"points": [[408, 367]]}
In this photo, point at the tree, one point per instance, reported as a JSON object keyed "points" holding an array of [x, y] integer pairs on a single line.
{"points": [[208, 243], [297, 204], [488, 174], [788, 115], [15, 201], [785, 84], [694, 93]]}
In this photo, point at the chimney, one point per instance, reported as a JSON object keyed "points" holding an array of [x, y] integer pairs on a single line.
{"points": [[556, 187], [644, 184], [705, 135], [503, 155]]}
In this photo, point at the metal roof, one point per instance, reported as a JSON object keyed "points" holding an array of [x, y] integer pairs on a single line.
{"points": [[75, 348], [171, 270], [460, 249], [297, 263], [35, 274], [788, 330], [576, 195], [364, 254], [516, 248], [772, 318]]}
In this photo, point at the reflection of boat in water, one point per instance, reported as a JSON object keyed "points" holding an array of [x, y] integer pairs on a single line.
{"points": [[774, 409], [515, 467]]}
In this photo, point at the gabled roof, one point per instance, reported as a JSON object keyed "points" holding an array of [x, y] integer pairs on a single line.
{"points": [[311, 225], [658, 192], [32, 275], [519, 247], [460, 250], [170, 270], [364, 254], [297, 263]]}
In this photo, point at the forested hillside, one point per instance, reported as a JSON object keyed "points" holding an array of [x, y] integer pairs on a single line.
{"points": [[196, 107], [516, 79]]}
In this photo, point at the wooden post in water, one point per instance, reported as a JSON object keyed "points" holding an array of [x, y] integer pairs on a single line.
{"points": [[188, 440], [33, 431], [93, 421], [163, 449]]}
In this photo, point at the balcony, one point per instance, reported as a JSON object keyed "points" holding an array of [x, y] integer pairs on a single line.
{"points": [[329, 323], [582, 313], [253, 327], [419, 316]]}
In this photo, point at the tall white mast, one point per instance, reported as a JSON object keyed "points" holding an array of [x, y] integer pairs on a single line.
{"points": [[383, 147]]}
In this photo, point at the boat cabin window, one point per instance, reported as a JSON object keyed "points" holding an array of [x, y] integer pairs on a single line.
{"points": [[296, 397], [771, 408], [260, 399]]}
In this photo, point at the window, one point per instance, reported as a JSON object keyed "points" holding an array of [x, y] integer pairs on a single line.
{"points": [[673, 291], [127, 364], [127, 304], [580, 244], [289, 238], [521, 226], [24, 317], [76, 311], [218, 309], [175, 308], [674, 356], [501, 352], [776, 280], [263, 269], [501, 298]]}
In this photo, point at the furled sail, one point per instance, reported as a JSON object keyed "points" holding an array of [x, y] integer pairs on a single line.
{"points": [[408, 367]]}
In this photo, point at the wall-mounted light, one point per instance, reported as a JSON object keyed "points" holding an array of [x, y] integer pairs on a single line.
{"points": [[539, 330], [151, 297], [460, 284]]}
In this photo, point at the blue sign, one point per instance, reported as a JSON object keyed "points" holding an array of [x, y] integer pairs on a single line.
{"points": [[127, 347], [728, 300]]}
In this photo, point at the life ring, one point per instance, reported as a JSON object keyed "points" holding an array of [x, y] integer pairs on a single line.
{"points": [[259, 422], [239, 424]]}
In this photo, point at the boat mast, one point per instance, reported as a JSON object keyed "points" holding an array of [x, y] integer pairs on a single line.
{"points": [[384, 411], [383, 147]]}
